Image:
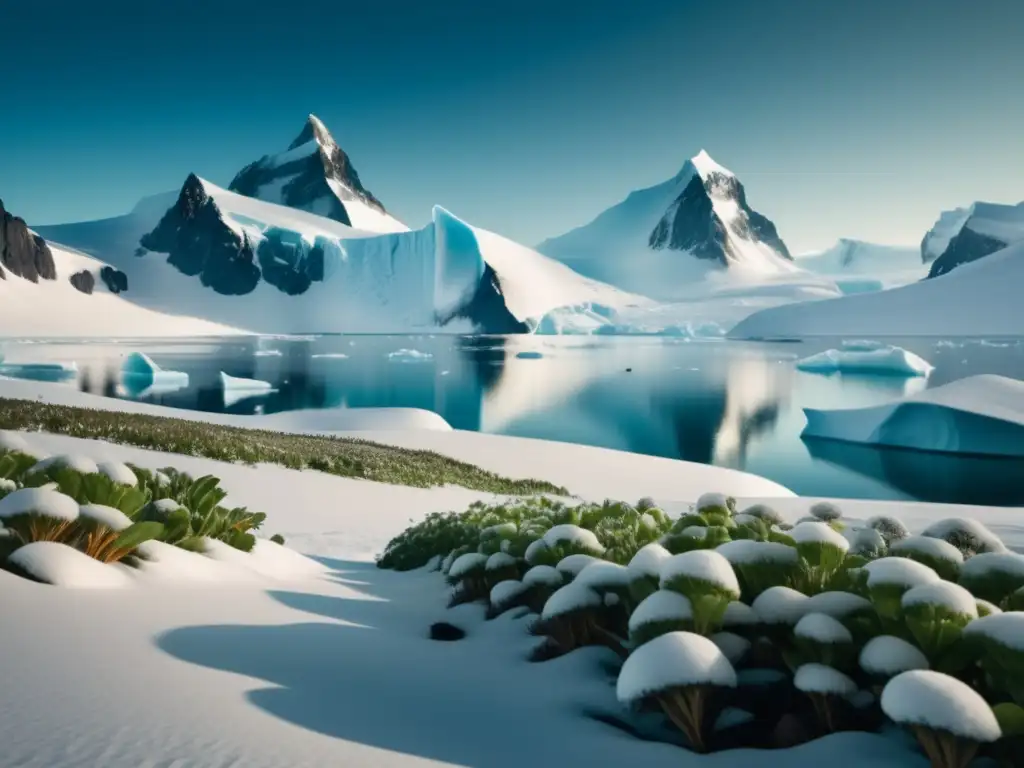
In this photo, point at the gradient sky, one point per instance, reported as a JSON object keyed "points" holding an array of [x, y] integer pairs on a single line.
{"points": [[859, 118]]}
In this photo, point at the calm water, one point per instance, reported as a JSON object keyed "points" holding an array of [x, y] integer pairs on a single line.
{"points": [[732, 404]]}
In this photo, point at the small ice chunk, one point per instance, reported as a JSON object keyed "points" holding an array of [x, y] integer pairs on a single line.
{"points": [[733, 646], [820, 679], [943, 594], [1003, 628], [746, 551], [819, 533], [673, 660], [887, 655], [704, 564], [573, 564], [603, 575], [571, 598], [890, 361], [822, 628], [899, 571], [112, 518], [118, 472], [662, 605], [41, 501], [930, 546], [409, 356], [466, 564], [82, 464], [504, 592], [934, 700], [54, 563], [567, 533], [648, 560], [500, 560], [543, 575], [780, 605]]}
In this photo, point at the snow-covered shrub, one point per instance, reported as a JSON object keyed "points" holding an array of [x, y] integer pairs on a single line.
{"points": [[827, 689], [541, 582], [823, 552], [853, 611], [949, 719], [573, 617], [969, 536], [765, 513], [821, 639], [936, 614], [886, 656], [505, 595], [735, 647], [645, 570], [715, 503], [939, 555], [679, 670], [39, 514], [889, 578], [826, 511], [1000, 642], [760, 565], [993, 576], [868, 543], [707, 579], [891, 528], [468, 575], [501, 566], [780, 606], [661, 612]]}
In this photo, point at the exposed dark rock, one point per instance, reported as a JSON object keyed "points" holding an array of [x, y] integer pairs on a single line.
{"points": [[199, 242], [83, 281], [23, 253], [446, 632], [306, 187], [690, 224], [115, 280], [965, 247], [288, 263], [486, 309]]}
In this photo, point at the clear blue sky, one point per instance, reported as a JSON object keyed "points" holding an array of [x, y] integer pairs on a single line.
{"points": [[860, 118]]}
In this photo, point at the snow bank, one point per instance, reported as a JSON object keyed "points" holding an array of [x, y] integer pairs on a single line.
{"points": [[938, 701], [890, 361], [673, 660], [949, 305], [64, 566], [982, 415]]}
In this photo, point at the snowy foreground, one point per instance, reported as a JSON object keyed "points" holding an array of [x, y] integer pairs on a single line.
{"points": [[328, 663]]}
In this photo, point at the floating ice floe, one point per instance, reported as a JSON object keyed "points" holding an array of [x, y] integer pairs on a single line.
{"points": [[409, 356], [866, 358], [141, 377], [40, 371], [237, 389]]}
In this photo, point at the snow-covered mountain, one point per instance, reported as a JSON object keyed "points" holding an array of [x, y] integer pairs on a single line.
{"points": [[982, 298], [314, 174], [888, 264], [22, 252], [968, 234], [269, 268], [662, 238]]}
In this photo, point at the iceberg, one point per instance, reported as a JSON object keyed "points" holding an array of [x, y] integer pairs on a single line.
{"points": [[141, 377], [858, 357], [237, 389], [978, 416]]}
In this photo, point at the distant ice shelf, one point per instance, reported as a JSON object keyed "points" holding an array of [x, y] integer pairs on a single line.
{"points": [[979, 415]]}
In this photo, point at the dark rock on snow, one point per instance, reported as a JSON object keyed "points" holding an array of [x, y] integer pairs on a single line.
{"points": [[965, 247], [115, 280], [446, 632], [23, 253], [83, 281]]}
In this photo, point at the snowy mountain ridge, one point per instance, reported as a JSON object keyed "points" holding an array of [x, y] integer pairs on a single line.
{"points": [[662, 238], [967, 234], [314, 174]]}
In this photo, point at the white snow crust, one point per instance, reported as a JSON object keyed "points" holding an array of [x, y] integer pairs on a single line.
{"points": [[899, 571], [1005, 628], [746, 551], [648, 560], [78, 463], [822, 628], [567, 533], [41, 501], [739, 614], [887, 655], [602, 575], [466, 564], [985, 563], [931, 546], [662, 605], [711, 499], [675, 659], [818, 532], [706, 565], [943, 594], [780, 605], [940, 702], [64, 566], [573, 564], [942, 529], [506, 591], [821, 679], [837, 604], [569, 599], [118, 472], [112, 518], [500, 560], [543, 575]]}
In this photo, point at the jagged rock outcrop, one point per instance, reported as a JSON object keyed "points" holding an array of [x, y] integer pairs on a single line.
{"points": [[967, 234], [965, 247], [83, 281], [115, 280], [22, 252], [314, 175], [198, 242]]}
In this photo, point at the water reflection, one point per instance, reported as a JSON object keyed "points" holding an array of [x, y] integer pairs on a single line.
{"points": [[927, 476]]}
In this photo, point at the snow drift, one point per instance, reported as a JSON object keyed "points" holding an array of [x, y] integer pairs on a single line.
{"points": [[978, 299], [979, 415]]}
